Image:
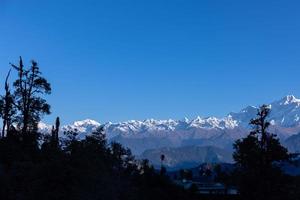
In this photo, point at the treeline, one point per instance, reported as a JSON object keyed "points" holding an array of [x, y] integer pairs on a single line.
{"points": [[35, 166]]}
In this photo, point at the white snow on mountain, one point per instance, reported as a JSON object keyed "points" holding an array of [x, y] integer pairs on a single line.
{"points": [[83, 127], [44, 128], [87, 125], [151, 126], [219, 132], [284, 112]]}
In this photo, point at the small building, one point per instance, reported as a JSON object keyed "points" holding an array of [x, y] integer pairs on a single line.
{"points": [[207, 188]]}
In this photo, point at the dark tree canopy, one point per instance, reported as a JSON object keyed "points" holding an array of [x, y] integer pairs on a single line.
{"points": [[257, 157], [53, 167]]}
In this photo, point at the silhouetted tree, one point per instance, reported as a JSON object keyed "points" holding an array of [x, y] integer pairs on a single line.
{"points": [[7, 110], [55, 132], [51, 143], [163, 170], [257, 157], [29, 87], [74, 168], [162, 158]]}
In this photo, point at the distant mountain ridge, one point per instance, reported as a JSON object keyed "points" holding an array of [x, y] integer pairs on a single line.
{"points": [[187, 156], [151, 134], [285, 113]]}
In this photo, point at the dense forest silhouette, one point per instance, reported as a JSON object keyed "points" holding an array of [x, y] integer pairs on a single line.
{"points": [[46, 166]]}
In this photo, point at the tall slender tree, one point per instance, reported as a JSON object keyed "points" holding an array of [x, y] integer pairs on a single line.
{"points": [[29, 87], [55, 131], [57, 125], [257, 157], [7, 110], [162, 167]]}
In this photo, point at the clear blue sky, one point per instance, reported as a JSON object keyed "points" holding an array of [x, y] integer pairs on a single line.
{"points": [[119, 60]]}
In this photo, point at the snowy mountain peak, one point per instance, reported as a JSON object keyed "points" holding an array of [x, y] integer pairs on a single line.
{"points": [[213, 122], [198, 119], [289, 99], [44, 128], [186, 120], [83, 127], [284, 113], [140, 135], [86, 122]]}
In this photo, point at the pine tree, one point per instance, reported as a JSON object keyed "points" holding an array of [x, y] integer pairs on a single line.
{"points": [[54, 134], [257, 157]]}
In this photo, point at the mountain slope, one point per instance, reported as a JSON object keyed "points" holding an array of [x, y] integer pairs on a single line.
{"points": [[141, 136], [284, 112], [187, 156], [293, 143]]}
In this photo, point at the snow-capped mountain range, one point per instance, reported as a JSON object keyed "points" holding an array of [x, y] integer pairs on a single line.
{"points": [[149, 134], [284, 112]]}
